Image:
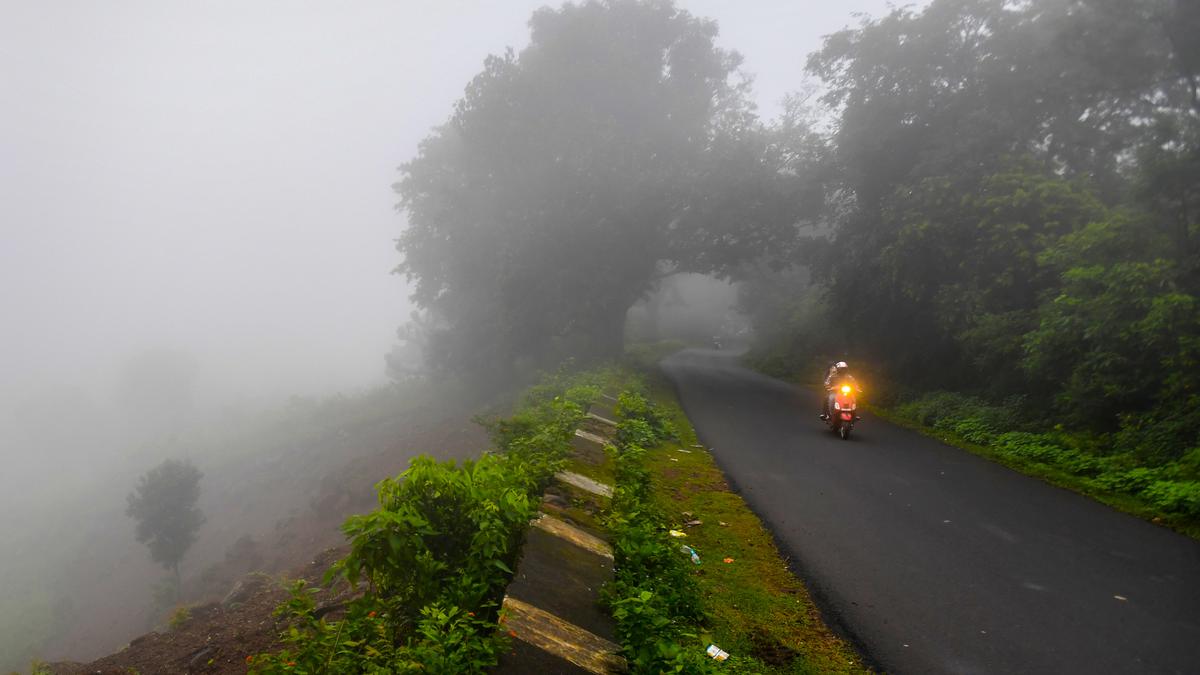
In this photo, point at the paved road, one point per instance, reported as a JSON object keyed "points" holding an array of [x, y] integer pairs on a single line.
{"points": [[937, 561]]}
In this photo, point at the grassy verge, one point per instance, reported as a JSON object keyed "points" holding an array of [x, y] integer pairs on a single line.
{"points": [[754, 607], [1110, 479], [1105, 467]]}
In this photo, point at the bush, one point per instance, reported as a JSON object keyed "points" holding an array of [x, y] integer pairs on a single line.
{"points": [[443, 532], [1175, 497], [180, 617], [1140, 460], [436, 555], [633, 407], [1037, 447]]}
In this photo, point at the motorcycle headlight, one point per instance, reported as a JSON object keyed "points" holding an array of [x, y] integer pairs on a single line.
{"points": [[846, 389]]}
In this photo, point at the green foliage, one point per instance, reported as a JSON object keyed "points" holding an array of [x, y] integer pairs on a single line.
{"points": [[1182, 497], [1010, 217], [164, 506], [1105, 464], [442, 532], [180, 617], [618, 141], [653, 596], [437, 554], [445, 640], [641, 421]]}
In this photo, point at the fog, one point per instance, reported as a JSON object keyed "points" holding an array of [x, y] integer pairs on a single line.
{"points": [[198, 224]]}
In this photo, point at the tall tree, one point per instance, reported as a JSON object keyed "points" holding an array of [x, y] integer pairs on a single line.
{"points": [[619, 146], [936, 106], [164, 506]]}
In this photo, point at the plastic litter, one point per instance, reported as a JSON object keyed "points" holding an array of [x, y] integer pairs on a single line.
{"points": [[676, 533], [717, 653], [691, 552], [728, 560], [693, 523]]}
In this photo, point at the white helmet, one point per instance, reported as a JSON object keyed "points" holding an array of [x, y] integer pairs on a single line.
{"points": [[841, 366]]}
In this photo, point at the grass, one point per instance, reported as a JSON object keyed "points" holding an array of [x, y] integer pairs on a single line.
{"points": [[759, 611], [1124, 502]]}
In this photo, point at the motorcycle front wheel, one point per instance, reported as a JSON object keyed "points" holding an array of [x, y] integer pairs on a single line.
{"points": [[844, 432]]}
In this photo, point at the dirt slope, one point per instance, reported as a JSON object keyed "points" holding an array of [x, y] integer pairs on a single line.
{"points": [[307, 503]]}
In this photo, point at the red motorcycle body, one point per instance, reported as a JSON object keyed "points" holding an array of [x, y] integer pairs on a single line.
{"points": [[843, 412]]}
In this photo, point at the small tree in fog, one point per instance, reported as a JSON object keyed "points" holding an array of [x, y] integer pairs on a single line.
{"points": [[164, 506]]}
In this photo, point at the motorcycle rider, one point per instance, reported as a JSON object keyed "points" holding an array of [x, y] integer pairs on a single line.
{"points": [[839, 374]]}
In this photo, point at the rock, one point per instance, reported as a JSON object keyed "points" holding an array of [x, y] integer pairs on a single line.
{"points": [[243, 590], [202, 657], [556, 500]]}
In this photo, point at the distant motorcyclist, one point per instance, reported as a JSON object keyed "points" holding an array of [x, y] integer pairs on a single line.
{"points": [[838, 375]]}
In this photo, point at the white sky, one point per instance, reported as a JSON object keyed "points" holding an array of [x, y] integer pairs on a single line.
{"points": [[215, 176]]}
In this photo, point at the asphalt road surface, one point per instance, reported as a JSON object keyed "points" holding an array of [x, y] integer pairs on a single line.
{"points": [[934, 560]]}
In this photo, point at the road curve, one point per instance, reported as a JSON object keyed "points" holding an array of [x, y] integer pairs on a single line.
{"points": [[934, 560]]}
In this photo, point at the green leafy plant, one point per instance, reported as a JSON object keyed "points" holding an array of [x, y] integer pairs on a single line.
{"points": [[435, 556], [653, 596], [180, 617]]}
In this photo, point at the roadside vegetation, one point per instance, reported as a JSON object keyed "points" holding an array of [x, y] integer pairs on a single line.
{"points": [[421, 587], [739, 596], [1011, 253], [432, 562], [1167, 493], [989, 197]]}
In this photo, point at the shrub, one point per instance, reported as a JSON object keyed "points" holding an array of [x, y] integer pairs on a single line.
{"points": [[435, 556], [180, 617], [1037, 447], [444, 531], [973, 429], [1175, 497], [633, 406]]}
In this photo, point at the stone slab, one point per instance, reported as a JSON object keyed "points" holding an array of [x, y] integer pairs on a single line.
{"points": [[527, 659], [584, 483], [573, 534], [588, 447], [563, 639], [559, 577]]}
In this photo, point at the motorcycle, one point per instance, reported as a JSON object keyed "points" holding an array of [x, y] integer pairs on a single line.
{"points": [[843, 411]]}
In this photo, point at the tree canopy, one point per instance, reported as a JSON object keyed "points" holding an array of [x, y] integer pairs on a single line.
{"points": [[617, 147], [1007, 200], [164, 505], [1019, 214]]}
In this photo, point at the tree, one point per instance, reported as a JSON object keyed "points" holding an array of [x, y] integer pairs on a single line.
{"points": [[936, 259], [164, 506], [617, 148]]}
